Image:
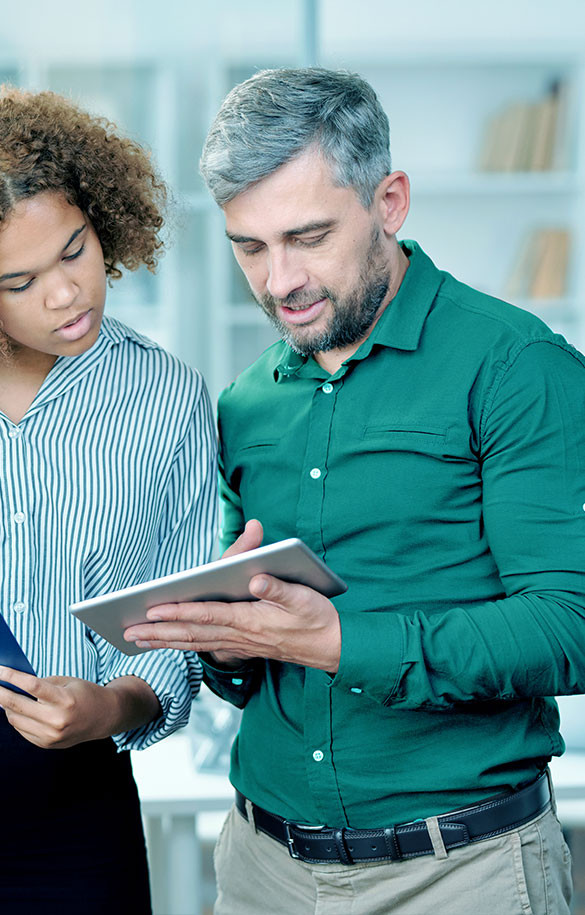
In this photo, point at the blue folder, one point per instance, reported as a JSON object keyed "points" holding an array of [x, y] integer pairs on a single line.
{"points": [[12, 655]]}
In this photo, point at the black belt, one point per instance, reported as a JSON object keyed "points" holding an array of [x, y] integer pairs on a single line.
{"points": [[409, 840]]}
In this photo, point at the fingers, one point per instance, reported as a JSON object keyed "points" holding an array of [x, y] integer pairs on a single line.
{"points": [[287, 595], [185, 636], [205, 612], [249, 539], [26, 682]]}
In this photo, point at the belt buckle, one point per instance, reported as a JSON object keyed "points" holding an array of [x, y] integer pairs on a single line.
{"points": [[290, 840]]}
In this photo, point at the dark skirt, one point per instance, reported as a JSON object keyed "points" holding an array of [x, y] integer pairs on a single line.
{"points": [[71, 838]]}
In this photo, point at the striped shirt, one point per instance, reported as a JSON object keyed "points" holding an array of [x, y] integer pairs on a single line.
{"points": [[108, 480]]}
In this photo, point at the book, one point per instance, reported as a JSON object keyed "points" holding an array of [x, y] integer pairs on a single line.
{"points": [[540, 268], [550, 276], [527, 135]]}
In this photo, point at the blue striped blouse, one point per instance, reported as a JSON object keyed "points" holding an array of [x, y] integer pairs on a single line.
{"points": [[108, 480]]}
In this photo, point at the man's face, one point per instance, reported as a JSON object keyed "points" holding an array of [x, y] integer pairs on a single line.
{"points": [[52, 279], [313, 255]]}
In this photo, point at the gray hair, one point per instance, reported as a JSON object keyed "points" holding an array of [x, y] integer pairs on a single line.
{"points": [[275, 115]]}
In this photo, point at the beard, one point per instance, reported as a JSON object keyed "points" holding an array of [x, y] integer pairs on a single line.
{"points": [[352, 314]]}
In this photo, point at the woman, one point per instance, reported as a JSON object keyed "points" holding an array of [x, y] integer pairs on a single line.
{"points": [[108, 479]]}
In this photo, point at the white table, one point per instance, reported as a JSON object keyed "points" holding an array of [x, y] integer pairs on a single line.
{"points": [[568, 774], [173, 795]]}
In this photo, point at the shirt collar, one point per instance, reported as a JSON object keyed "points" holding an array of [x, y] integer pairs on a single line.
{"points": [[69, 370], [399, 326]]}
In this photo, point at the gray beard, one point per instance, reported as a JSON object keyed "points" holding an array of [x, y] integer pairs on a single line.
{"points": [[352, 316]]}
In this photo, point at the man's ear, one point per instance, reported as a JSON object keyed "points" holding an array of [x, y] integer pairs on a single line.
{"points": [[393, 201]]}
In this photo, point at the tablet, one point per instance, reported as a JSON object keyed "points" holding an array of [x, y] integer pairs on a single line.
{"points": [[12, 655], [224, 580]]}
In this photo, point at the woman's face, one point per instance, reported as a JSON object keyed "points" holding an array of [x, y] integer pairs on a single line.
{"points": [[52, 278]]}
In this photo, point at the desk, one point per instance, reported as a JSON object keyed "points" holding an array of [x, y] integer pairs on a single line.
{"points": [[173, 794]]}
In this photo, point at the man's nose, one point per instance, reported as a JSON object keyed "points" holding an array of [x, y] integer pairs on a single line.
{"points": [[62, 290], [285, 274]]}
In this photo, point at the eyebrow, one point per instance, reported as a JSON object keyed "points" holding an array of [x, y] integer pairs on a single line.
{"points": [[300, 230], [13, 276]]}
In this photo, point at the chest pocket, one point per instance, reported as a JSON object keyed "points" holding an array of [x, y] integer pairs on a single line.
{"points": [[252, 460], [259, 443], [420, 437]]}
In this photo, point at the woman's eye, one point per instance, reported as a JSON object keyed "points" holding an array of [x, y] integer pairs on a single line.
{"points": [[71, 257], [20, 288]]}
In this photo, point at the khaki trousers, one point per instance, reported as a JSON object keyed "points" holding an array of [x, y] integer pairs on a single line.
{"points": [[524, 872]]}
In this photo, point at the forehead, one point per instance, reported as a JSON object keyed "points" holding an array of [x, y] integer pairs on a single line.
{"points": [[300, 192], [36, 227]]}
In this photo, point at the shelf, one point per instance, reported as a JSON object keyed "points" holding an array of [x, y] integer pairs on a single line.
{"points": [[489, 183]]}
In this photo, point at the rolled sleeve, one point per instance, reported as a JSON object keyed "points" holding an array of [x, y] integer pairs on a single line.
{"points": [[175, 678]]}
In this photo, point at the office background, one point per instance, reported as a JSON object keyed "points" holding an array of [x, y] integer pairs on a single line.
{"points": [[487, 112]]}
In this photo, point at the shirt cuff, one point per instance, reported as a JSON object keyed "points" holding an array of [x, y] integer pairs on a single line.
{"points": [[372, 653], [233, 685], [174, 677]]}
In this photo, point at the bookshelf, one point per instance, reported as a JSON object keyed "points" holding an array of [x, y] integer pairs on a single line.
{"points": [[480, 192]]}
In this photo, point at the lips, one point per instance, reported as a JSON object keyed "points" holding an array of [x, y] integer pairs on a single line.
{"points": [[72, 321], [302, 314], [76, 328]]}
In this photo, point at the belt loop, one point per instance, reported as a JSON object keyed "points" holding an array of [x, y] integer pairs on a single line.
{"points": [[436, 838], [250, 812], [342, 849], [553, 800], [391, 843]]}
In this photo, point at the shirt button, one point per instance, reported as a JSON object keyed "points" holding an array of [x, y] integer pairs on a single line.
{"points": [[237, 681], [318, 755], [315, 473], [14, 433], [356, 689], [19, 607], [327, 388], [19, 517]]}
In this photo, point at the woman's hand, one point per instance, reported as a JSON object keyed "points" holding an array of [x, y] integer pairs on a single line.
{"points": [[68, 710]]}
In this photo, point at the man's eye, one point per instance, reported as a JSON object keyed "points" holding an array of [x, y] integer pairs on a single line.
{"points": [[71, 257], [250, 251], [310, 242]]}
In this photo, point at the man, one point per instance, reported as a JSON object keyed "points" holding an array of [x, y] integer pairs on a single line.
{"points": [[428, 442]]}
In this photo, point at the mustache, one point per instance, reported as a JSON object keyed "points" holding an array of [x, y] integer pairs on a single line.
{"points": [[297, 299]]}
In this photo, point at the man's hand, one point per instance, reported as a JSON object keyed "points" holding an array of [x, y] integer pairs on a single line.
{"points": [[290, 623], [249, 539], [69, 710]]}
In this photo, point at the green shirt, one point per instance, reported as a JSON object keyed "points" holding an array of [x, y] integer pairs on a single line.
{"points": [[441, 472]]}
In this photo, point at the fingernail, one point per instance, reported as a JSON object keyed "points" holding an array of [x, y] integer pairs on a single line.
{"points": [[260, 586], [141, 644]]}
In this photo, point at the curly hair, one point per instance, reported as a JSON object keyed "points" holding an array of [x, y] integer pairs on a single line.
{"points": [[47, 143]]}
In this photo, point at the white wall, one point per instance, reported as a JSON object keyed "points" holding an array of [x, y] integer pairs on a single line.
{"points": [[121, 28]]}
